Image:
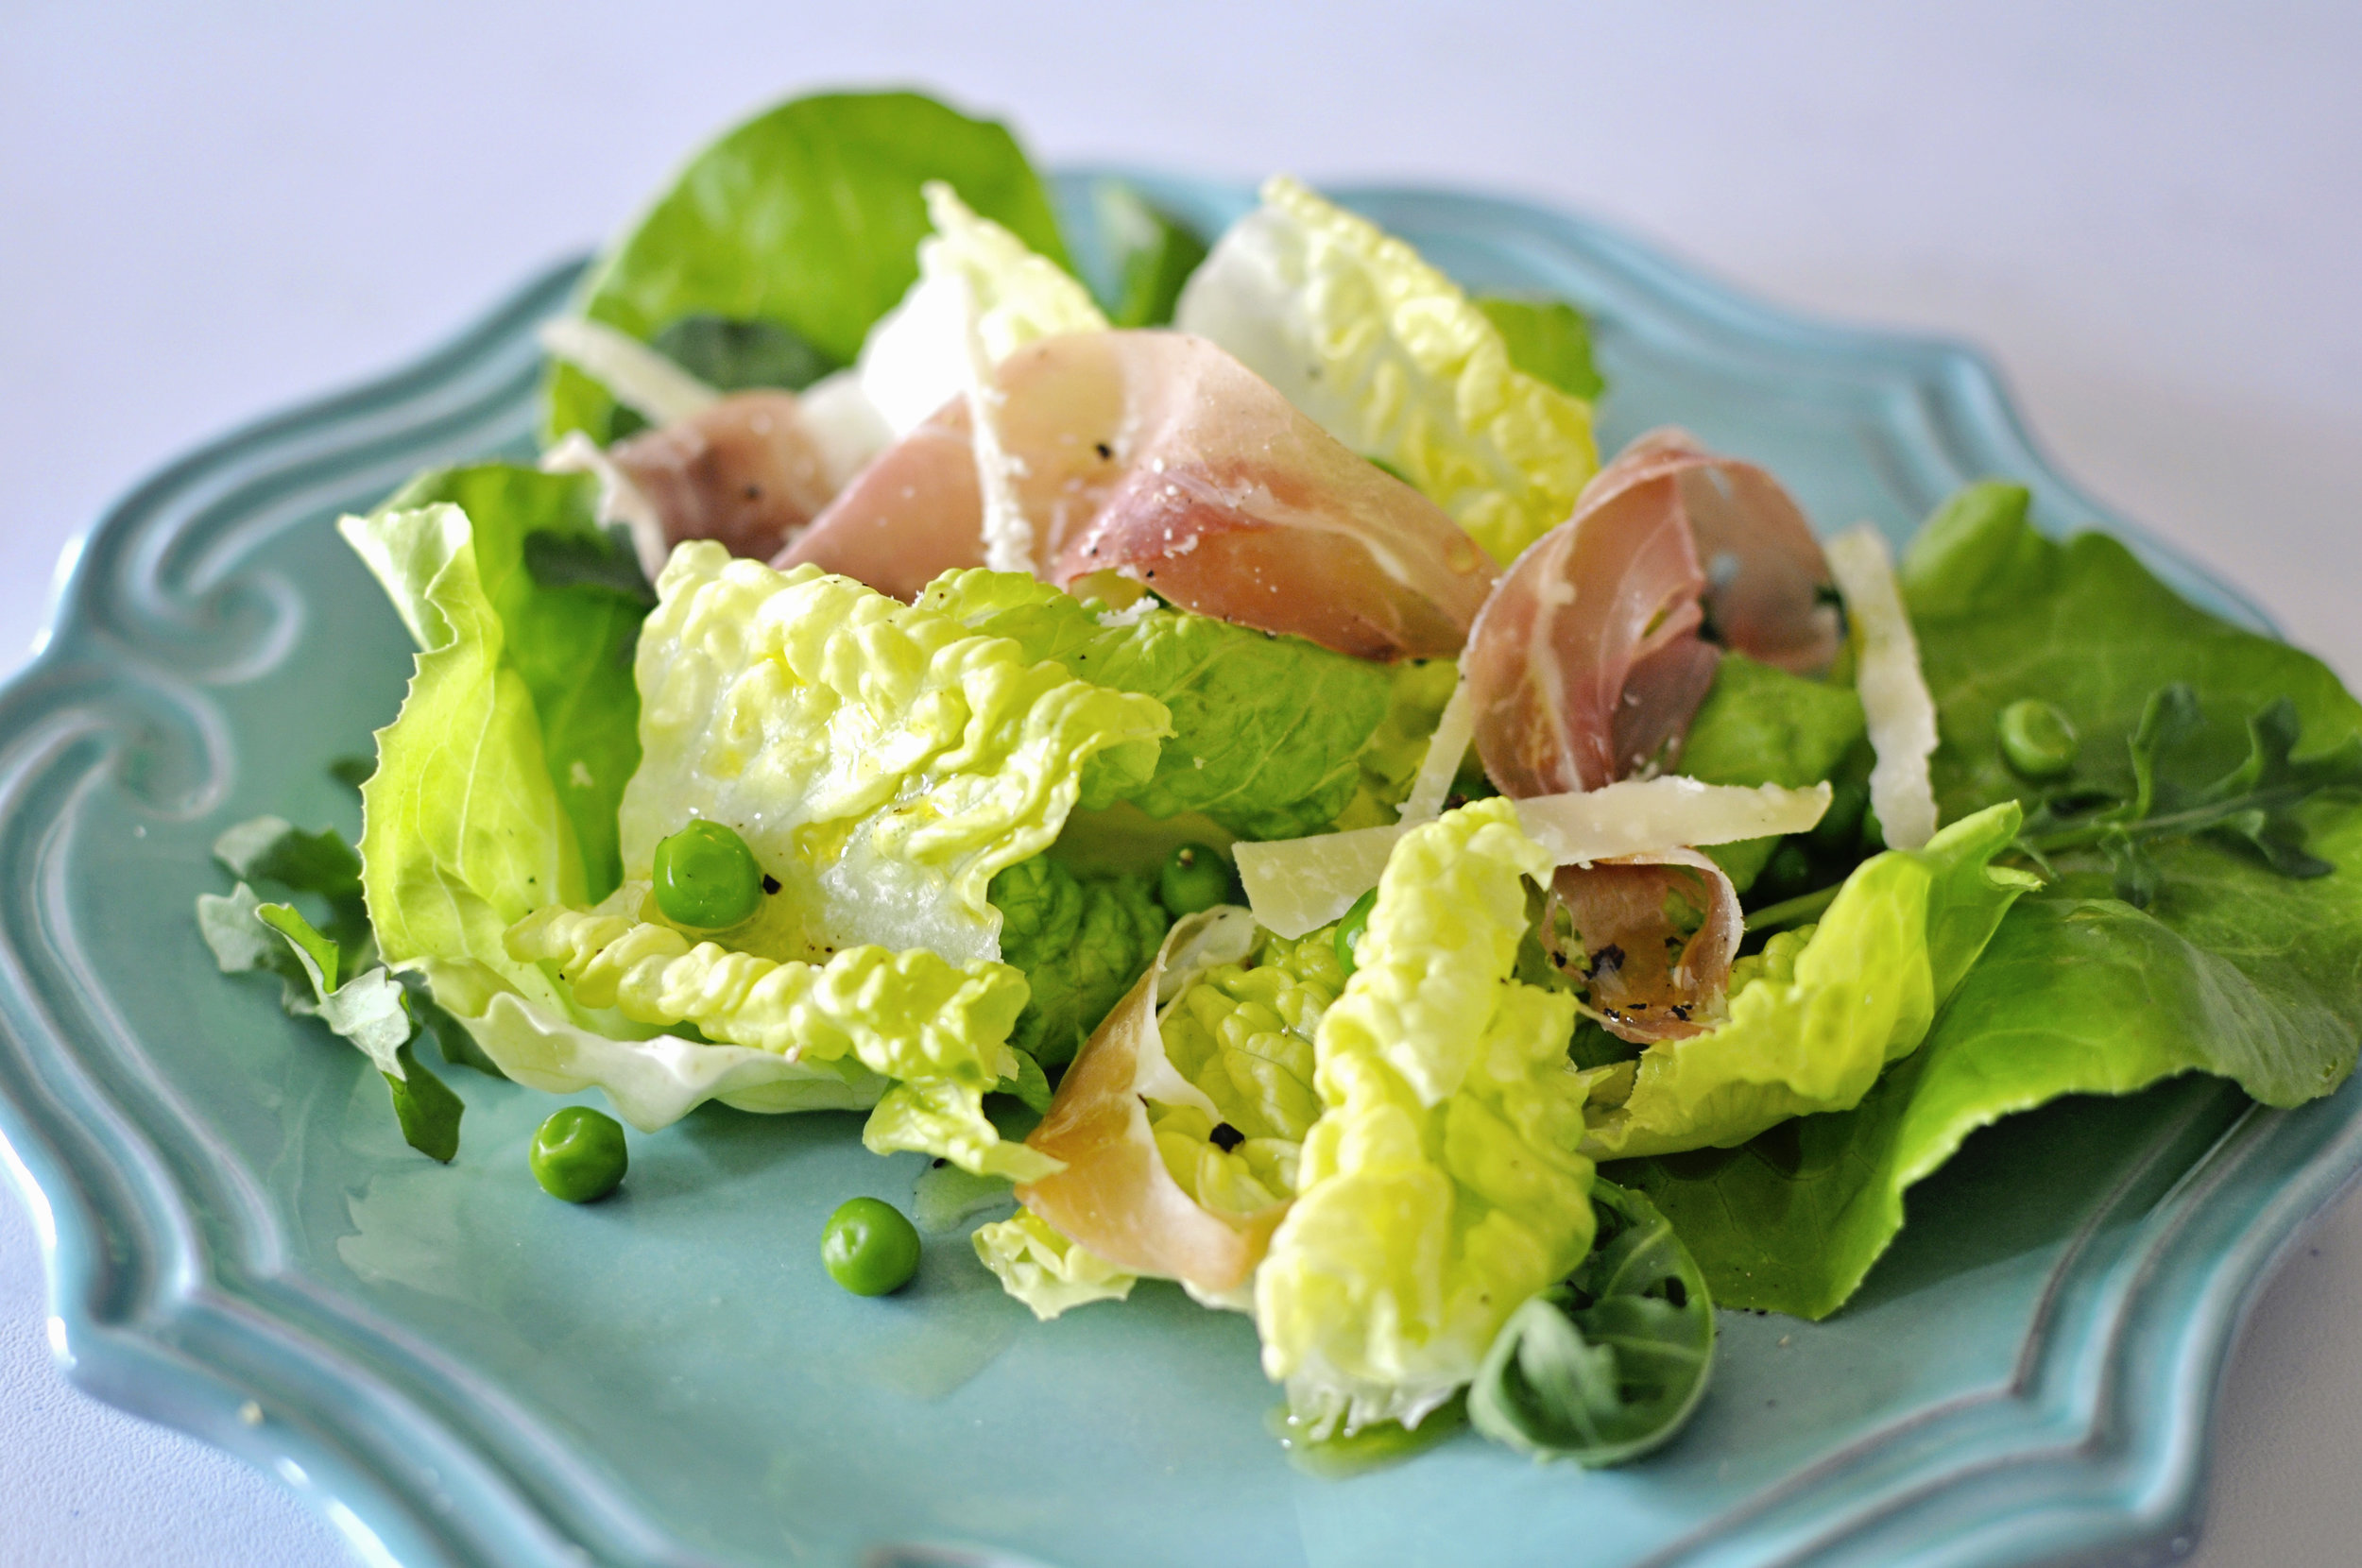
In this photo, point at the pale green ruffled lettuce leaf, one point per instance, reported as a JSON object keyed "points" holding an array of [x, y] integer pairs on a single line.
{"points": [[1439, 1189], [1394, 359], [1044, 1268], [938, 1029], [882, 761]]}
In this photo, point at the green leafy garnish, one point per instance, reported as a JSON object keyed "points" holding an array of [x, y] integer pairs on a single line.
{"points": [[368, 1006], [1608, 1365], [806, 216], [2257, 804]]}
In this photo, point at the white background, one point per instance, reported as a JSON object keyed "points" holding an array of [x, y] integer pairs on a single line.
{"points": [[2150, 213]]}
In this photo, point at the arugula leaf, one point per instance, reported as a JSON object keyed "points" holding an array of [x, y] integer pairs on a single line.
{"points": [[1610, 1364], [2255, 804], [2233, 967], [807, 217], [1549, 340]]}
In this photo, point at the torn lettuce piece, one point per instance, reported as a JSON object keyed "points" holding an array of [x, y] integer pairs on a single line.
{"points": [[463, 832], [1394, 759], [569, 628], [1268, 732], [1080, 941], [938, 1029], [367, 1008], [1394, 359], [1760, 725], [1242, 1034], [1440, 1188], [1811, 1034], [1044, 1269], [1149, 255], [882, 761], [808, 216]]}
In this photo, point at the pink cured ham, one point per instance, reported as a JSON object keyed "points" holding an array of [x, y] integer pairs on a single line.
{"points": [[1587, 665], [1590, 659], [743, 472], [1157, 456], [1115, 1196], [1652, 938]]}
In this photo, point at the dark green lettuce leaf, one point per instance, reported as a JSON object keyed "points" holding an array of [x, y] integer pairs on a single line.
{"points": [[2233, 968], [1147, 255], [1268, 731], [808, 216], [1082, 942], [1762, 725], [572, 629]]}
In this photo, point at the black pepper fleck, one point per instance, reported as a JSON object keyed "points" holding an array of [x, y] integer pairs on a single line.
{"points": [[1225, 1137]]}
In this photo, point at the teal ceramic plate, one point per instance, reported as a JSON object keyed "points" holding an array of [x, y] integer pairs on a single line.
{"points": [[459, 1371]]}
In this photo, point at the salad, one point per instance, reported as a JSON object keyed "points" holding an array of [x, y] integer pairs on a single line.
{"points": [[1192, 739]]}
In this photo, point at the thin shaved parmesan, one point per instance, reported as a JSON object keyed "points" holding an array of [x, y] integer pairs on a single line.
{"points": [[1654, 815], [633, 374], [1299, 885], [1894, 699], [1455, 728]]}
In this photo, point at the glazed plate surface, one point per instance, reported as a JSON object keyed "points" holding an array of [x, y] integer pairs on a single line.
{"points": [[462, 1371]]}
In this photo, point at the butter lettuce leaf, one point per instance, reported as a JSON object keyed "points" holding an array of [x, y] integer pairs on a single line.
{"points": [[1439, 1189], [1268, 732], [462, 831], [2233, 969], [938, 1029], [1080, 941], [808, 216], [1393, 359], [1814, 1021], [1549, 340], [568, 631], [883, 761]]}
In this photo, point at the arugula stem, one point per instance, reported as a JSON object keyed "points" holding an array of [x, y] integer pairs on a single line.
{"points": [[1792, 911], [2193, 820]]}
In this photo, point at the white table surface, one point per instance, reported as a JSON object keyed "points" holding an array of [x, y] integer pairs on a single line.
{"points": [[2150, 213]]}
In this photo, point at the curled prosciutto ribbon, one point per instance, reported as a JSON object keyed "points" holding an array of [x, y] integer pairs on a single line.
{"points": [[1587, 666], [1157, 457]]}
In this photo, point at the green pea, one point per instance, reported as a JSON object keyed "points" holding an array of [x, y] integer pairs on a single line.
{"points": [[1350, 928], [868, 1248], [707, 877], [578, 1154], [1194, 878], [2036, 738]]}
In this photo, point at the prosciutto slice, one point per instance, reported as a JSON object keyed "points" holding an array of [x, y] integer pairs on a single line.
{"points": [[1587, 665], [1592, 655], [744, 471], [1652, 936], [1115, 1197], [1157, 456]]}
